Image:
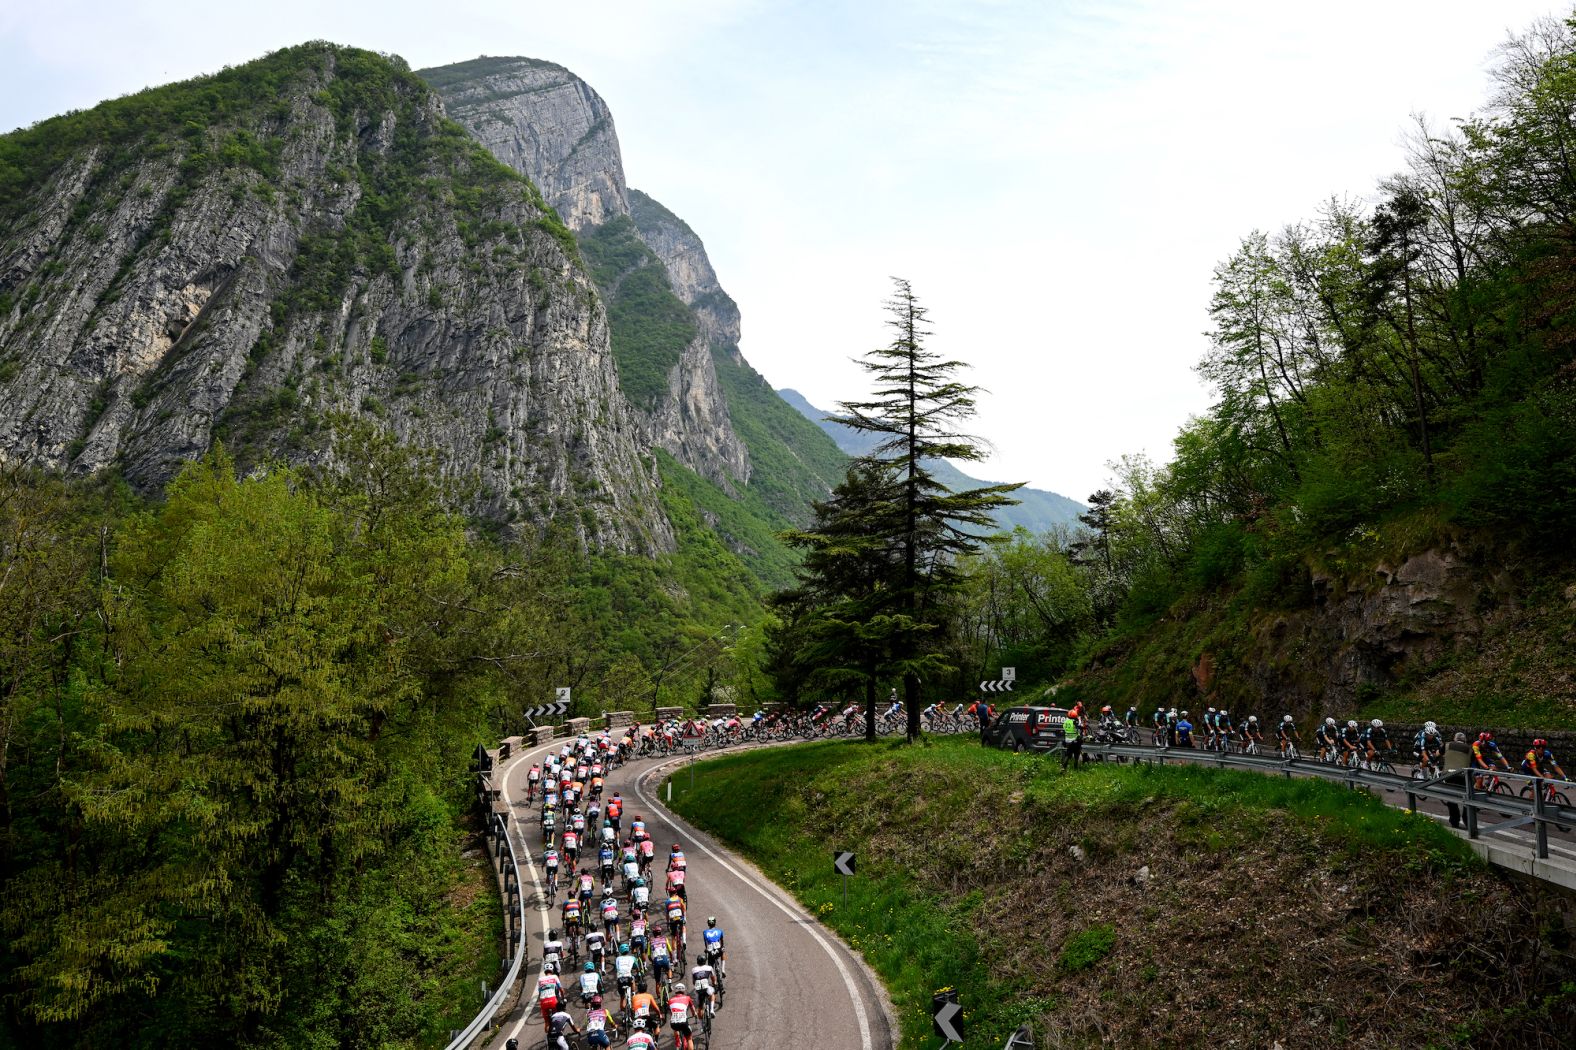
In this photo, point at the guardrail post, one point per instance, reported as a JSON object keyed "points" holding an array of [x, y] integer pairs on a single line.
{"points": [[1471, 806], [1411, 802], [1540, 830]]}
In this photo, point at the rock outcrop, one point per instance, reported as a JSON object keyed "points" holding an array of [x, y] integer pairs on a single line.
{"points": [[322, 241], [550, 125], [546, 123]]}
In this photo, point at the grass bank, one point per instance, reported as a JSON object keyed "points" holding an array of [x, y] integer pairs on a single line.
{"points": [[1145, 906]]}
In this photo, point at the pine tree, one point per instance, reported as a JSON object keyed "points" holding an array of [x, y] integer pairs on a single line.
{"points": [[915, 412]]}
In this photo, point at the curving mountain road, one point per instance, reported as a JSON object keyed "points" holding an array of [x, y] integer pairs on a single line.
{"points": [[789, 979]]}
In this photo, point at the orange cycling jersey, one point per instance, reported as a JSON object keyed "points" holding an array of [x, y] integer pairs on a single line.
{"points": [[645, 1005]]}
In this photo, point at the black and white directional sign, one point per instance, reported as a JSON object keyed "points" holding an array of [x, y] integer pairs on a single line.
{"points": [[947, 1016], [547, 710], [843, 862], [997, 685]]}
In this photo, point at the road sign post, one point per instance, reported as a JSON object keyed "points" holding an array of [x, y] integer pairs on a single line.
{"points": [[946, 1016], [843, 864]]}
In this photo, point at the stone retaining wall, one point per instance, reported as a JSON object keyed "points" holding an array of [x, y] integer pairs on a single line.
{"points": [[619, 719], [665, 713], [721, 710], [541, 735], [576, 726]]}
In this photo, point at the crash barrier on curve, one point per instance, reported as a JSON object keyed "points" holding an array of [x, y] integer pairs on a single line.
{"points": [[1506, 811], [506, 866]]}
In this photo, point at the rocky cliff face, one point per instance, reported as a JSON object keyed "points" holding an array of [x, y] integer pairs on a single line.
{"points": [[549, 125], [689, 269], [246, 256]]}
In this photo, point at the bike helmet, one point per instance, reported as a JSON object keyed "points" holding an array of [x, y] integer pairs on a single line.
{"points": [[1329, 721], [1485, 736], [1286, 719], [1106, 709], [513, 1044], [1224, 712], [590, 967], [1253, 718], [1210, 711], [552, 935], [640, 882], [638, 1024], [1377, 724], [1429, 727], [1351, 724], [700, 960], [678, 987], [1184, 714], [1540, 742], [711, 920]]}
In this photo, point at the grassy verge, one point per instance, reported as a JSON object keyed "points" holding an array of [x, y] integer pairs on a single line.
{"points": [[1134, 906]]}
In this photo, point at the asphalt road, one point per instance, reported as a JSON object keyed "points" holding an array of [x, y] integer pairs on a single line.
{"points": [[790, 980]]}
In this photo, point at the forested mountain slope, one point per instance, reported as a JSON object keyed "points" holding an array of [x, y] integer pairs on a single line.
{"points": [[1376, 514]]}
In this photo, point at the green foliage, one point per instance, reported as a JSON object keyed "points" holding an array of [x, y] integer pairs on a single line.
{"points": [[269, 688], [1087, 947], [930, 912], [650, 325]]}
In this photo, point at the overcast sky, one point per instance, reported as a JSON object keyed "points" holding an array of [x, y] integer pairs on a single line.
{"points": [[1056, 177]]}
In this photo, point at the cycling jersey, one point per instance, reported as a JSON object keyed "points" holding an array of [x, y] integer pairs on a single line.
{"points": [[702, 977], [641, 1041], [1485, 753], [644, 1004], [548, 989], [713, 938], [675, 910], [624, 967], [590, 984], [1539, 762], [679, 1008], [571, 912]]}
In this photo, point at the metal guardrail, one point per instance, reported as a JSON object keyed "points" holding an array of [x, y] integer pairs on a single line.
{"points": [[1455, 786], [509, 868]]}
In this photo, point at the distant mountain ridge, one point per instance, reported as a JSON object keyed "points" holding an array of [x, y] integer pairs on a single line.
{"points": [[1037, 509]]}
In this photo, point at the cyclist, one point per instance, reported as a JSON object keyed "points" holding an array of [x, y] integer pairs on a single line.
{"points": [[590, 983], [648, 850], [549, 824], [1250, 735], [605, 861], [676, 861], [586, 886], [1131, 721], [600, 1027], [1287, 734], [626, 970], [716, 949], [550, 862], [596, 946], [640, 896], [1428, 746], [1159, 725], [679, 1009], [703, 977], [1540, 762], [532, 779], [1351, 744], [1223, 730], [1486, 756], [1375, 741], [558, 1027], [1208, 725], [552, 953], [637, 828], [1184, 731], [661, 958], [637, 934], [675, 910], [639, 1037], [571, 844], [614, 811], [610, 918], [676, 884], [549, 991], [1327, 736]]}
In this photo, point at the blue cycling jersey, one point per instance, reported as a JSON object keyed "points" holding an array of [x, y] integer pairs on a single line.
{"points": [[713, 935]]}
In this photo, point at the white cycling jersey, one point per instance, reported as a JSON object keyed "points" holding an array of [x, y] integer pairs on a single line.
{"points": [[624, 966], [702, 977], [590, 983]]}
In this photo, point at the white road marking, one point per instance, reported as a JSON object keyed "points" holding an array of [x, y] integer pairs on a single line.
{"points": [[536, 883], [865, 1040]]}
